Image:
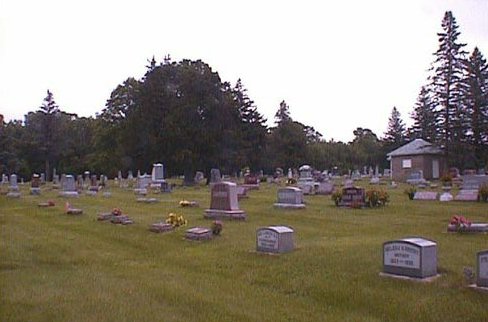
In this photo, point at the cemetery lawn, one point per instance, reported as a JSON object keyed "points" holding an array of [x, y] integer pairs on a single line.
{"points": [[56, 267]]}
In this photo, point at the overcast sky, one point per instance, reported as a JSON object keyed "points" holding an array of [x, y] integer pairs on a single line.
{"points": [[338, 64]]}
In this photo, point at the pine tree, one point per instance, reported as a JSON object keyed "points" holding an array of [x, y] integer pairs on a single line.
{"points": [[424, 117], [396, 132], [283, 113], [476, 100], [48, 130], [447, 82]]}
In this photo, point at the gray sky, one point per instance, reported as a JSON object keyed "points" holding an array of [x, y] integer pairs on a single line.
{"points": [[339, 65]]}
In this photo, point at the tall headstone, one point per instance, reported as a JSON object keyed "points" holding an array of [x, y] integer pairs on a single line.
{"points": [[275, 239], [43, 178], [68, 186], [215, 176], [157, 174], [411, 257], [13, 189], [35, 184], [224, 204], [290, 197], [305, 180], [482, 269]]}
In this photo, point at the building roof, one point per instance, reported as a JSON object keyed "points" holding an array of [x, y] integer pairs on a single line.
{"points": [[416, 147]]}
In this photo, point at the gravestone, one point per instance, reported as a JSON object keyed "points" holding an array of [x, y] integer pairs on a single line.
{"points": [[446, 196], [467, 195], [43, 178], [374, 180], [482, 269], [79, 182], [411, 257], [356, 175], [224, 204], [416, 177], [242, 193], [251, 182], [386, 173], [425, 195], [305, 180], [290, 197], [325, 188], [353, 197], [4, 179], [474, 182], [157, 174], [94, 183], [130, 176], [215, 176], [55, 182], [119, 176], [13, 189], [165, 187], [199, 177], [161, 227], [198, 233], [68, 186], [275, 239], [35, 185], [348, 183], [143, 181]]}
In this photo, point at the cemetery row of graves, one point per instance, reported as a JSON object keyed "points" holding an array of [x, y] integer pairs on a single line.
{"points": [[412, 257]]}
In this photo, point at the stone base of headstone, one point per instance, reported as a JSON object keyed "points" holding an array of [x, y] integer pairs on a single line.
{"points": [[289, 206], [35, 191], [198, 233], [225, 214], [68, 194], [104, 216], [74, 211], [147, 200], [161, 227], [409, 278], [140, 192], [467, 195], [251, 186], [123, 220], [478, 288], [446, 196], [473, 228], [13, 195]]}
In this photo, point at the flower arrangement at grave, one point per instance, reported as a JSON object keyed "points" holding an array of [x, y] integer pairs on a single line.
{"points": [[116, 212], [291, 181], [410, 192], [483, 193], [376, 198], [446, 179], [336, 197], [176, 220], [460, 222], [186, 203], [217, 227]]}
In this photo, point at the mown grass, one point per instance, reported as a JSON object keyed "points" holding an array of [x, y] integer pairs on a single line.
{"points": [[55, 267]]}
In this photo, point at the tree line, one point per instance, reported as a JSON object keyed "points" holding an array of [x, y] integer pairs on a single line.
{"points": [[184, 115]]}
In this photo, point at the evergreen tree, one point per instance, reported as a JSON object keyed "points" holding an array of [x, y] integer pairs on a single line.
{"points": [[447, 82], [476, 100], [395, 133], [49, 131], [424, 117], [283, 113]]}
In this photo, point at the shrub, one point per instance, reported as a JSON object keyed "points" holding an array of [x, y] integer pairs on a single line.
{"points": [[483, 193], [217, 227], [410, 192], [376, 198], [446, 179], [336, 197]]}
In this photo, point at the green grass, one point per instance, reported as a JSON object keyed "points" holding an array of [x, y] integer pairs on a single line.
{"points": [[55, 267]]}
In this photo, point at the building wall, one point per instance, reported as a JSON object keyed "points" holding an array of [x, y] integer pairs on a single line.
{"points": [[417, 162]]}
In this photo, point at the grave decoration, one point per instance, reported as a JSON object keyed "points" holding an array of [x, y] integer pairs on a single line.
{"points": [[410, 257], [186, 203], [376, 198], [119, 218], [176, 220], [274, 239], [72, 211], [461, 224], [224, 204], [290, 198], [217, 227]]}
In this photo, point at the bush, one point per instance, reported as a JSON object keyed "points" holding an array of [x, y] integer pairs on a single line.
{"points": [[483, 193], [410, 192], [376, 198], [336, 197], [446, 179]]}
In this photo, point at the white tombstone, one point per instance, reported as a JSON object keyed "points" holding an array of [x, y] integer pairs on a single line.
{"points": [[68, 186], [290, 197], [157, 174], [275, 239]]}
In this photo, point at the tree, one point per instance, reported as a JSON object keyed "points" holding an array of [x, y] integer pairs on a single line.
{"points": [[424, 117], [395, 133], [446, 82], [283, 113], [476, 100]]}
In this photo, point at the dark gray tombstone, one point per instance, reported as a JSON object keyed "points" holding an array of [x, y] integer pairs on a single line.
{"points": [[198, 233], [275, 239], [68, 186], [411, 257], [215, 176], [425, 195], [290, 197], [482, 269], [416, 177], [224, 203], [35, 185], [353, 197]]}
